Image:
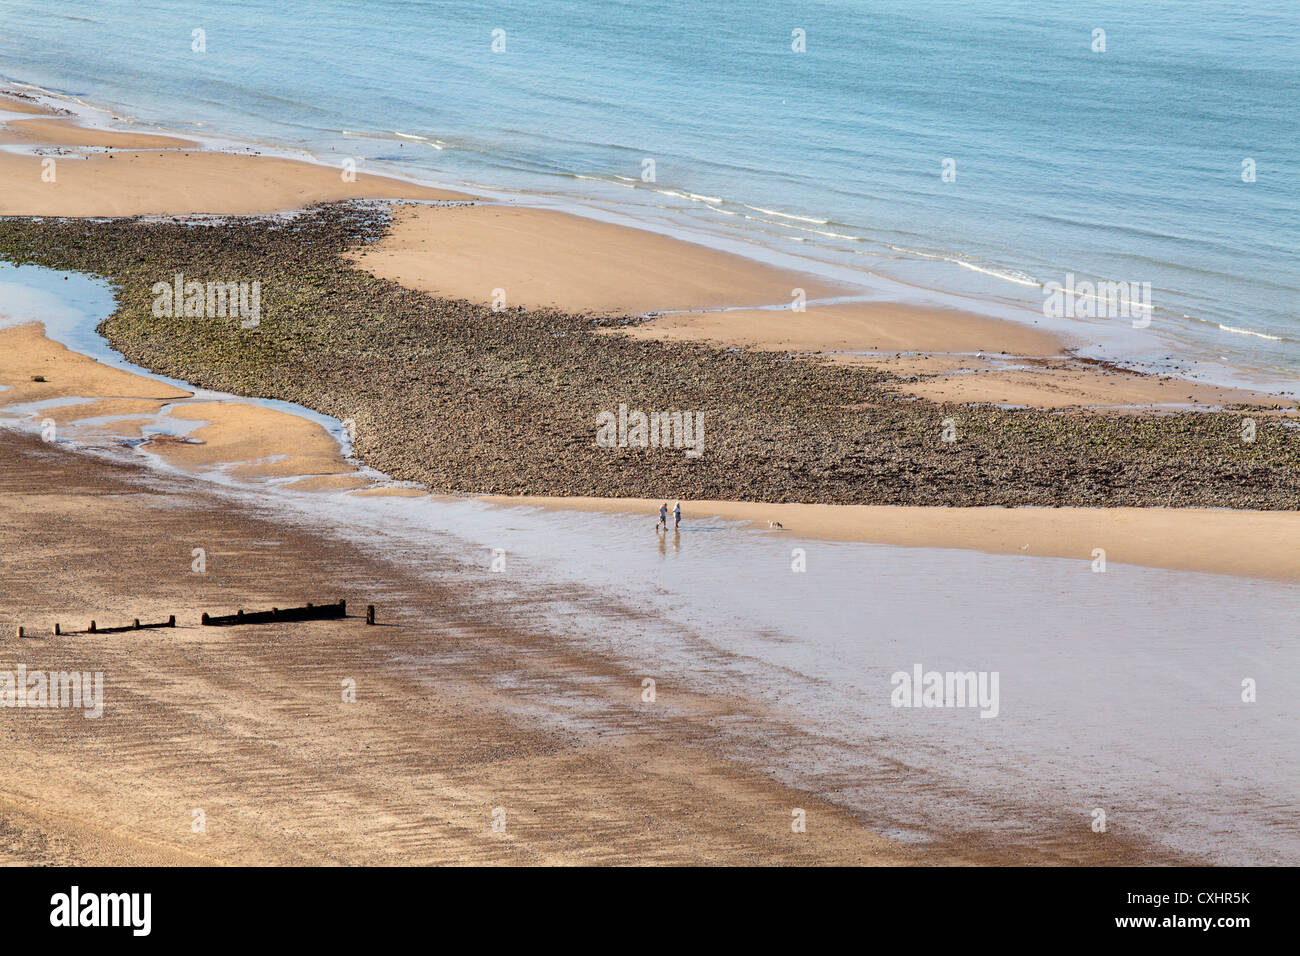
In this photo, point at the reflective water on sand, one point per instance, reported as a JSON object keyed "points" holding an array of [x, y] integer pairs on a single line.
{"points": [[1119, 691]]}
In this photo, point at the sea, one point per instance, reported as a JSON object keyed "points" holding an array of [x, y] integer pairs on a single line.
{"points": [[958, 152]]}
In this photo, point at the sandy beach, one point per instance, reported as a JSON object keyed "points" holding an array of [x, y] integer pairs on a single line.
{"points": [[463, 705], [248, 724], [106, 173], [544, 259], [825, 421]]}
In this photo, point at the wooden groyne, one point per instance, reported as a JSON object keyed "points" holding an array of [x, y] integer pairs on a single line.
{"points": [[311, 612], [133, 626], [94, 628]]}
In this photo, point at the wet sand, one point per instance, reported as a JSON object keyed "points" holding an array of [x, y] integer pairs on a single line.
{"points": [[257, 441], [248, 724], [1254, 544]]}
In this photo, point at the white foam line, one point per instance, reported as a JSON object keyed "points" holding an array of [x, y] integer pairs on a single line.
{"points": [[1258, 335], [786, 215]]}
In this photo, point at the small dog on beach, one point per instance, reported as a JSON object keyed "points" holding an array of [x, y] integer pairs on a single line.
{"points": [[775, 524]]}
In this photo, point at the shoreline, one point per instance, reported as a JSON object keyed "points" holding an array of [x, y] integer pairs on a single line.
{"points": [[1250, 544], [101, 173]]}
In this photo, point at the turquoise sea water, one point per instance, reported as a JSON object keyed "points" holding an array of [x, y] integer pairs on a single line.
{"points": [[1123, 165]]}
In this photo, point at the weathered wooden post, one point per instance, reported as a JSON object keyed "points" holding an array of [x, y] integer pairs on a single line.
{"points": [[135, 624], [57, 632], [370, 614], [344, 606], [239, 615], [92, 627], [204, 619], [20, 632], [171, 620]]}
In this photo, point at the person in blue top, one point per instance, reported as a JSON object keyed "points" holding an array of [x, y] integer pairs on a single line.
{"points": [[663, 517]]}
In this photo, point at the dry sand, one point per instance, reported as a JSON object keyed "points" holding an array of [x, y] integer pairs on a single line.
{"points": [[541, 258], [544, 258], [10, 103], [60, 131], [166, 182], [25, 354], [954, 356], [1073, 384]]}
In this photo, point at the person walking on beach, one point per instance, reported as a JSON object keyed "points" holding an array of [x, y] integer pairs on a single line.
{"points": [[677, 516], [663, 517]]}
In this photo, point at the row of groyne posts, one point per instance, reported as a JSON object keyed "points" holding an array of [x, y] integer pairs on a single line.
{"points": [[309, 612]]}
